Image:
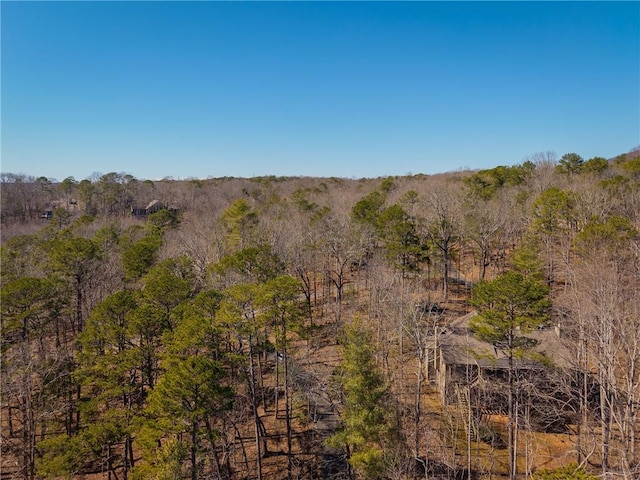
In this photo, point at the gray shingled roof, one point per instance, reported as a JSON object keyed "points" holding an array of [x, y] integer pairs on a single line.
{"points": [[460, 347]]}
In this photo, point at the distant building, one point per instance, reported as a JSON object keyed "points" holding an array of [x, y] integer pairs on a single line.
{"points": [[153, 207], [68, 204]]}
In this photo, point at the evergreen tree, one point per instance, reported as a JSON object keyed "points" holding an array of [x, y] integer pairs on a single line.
{"points": [[258, 264], [367, 209], [568, 472], [238, 221], [239, 314], [404, 248], [367, 430], [282, 309], [110, 371], [188, 393], [570, 163], [508, 308], [33, 380], [138, 257], [74, 259]]}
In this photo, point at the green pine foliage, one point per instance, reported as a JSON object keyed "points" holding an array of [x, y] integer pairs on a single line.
{"points": [[595, 165], [509, 307], [570, 163], [405, 249], [237, 221], [485, 184], [527, 258], [367, 209], [367, 432], [554, 210], [138, 257], [62, 456], [26, 303], [568, 472], [258, 264]]}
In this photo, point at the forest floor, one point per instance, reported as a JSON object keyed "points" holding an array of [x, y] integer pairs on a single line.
{"points": [[315, 362]]}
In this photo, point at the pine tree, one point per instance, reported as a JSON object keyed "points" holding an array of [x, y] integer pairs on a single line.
{"points": [[508, 308], [367, 431], [187, 394]]}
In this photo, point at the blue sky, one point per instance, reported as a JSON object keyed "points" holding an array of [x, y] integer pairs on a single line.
{"points": [[362, 89]]}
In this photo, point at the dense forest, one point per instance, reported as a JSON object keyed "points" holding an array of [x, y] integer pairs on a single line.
{"points": [[272, 327]]}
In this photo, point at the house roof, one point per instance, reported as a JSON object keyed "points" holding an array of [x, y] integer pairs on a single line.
{"points": [[459, 346], [153, 203]]}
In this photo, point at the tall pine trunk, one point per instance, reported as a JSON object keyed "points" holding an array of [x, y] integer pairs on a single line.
{"points": [[254, 408]]}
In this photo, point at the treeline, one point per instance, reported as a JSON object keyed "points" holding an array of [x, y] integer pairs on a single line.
{"points": [[194, 343]]}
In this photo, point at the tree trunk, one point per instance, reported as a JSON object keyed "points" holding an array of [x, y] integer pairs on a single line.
{"points": [[276, 393], [214, 452], [417, 405], [512, 432], [194, 450], [254, 407], [127, 457], [445, 280], [79, 320], [288, 415]]}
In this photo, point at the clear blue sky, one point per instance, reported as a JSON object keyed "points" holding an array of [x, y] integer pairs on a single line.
{"points": [[364, 89]]}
